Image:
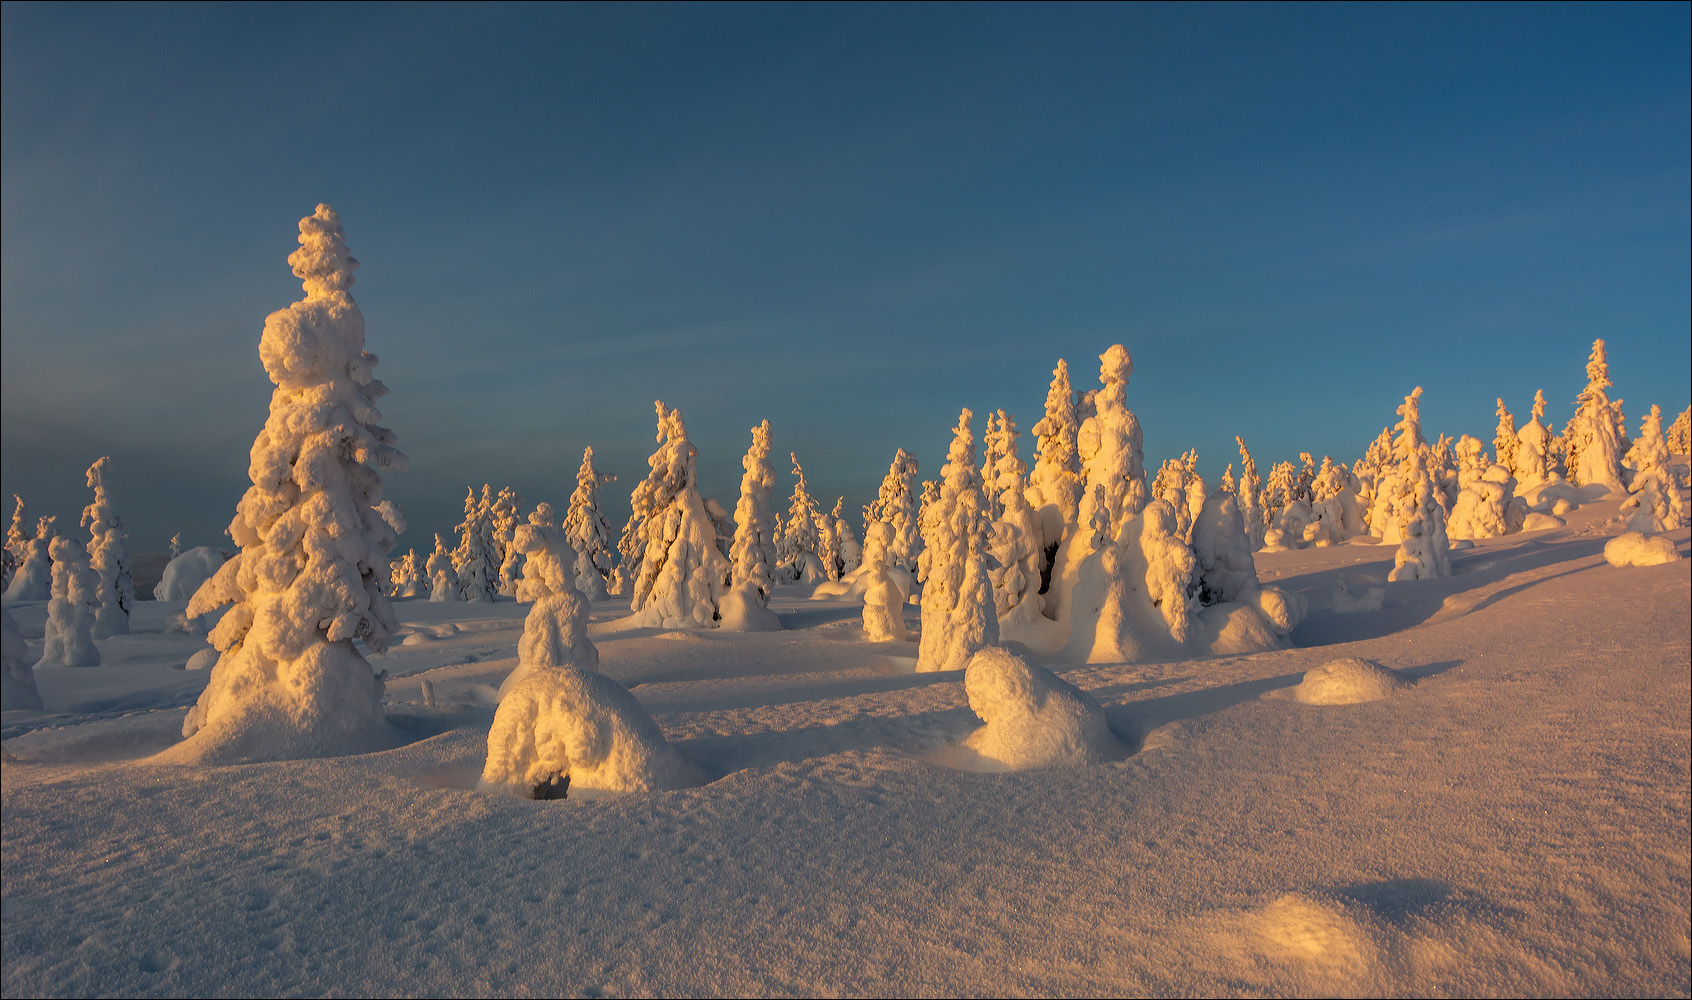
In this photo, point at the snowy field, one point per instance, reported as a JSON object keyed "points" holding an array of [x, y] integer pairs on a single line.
{"points": [[1509, 815]]}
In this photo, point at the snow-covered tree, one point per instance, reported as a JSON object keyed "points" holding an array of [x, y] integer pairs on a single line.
{"points": [[1424, 552], [18, 533], [1655, 490], [1594, 440], [1251, 510], [1055, 485], [476, 559], [588, 531], [1533, 447], [957, 597], [17, 675], [847, 549], [443, 577], [312, 573], [1395, 496], [1015, 547], [1371, 471], [504, 516], [884, 597], [1485, 506], [993, 445], [753, 553], [899, 506], [408, 578], [176, 545], [682, 572], [797, 549], [1110, 442], [541, 538], [1504, 437], [828, 544], [108, 556], [71, 611], [33, 579], [1679, 435]]}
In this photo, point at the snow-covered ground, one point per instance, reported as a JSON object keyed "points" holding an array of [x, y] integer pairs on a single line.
{"points": [[1508, 814]]}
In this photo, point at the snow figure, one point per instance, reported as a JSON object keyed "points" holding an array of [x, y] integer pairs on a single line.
{"points": [[1054, 486], [1504, 438], [957, 596], [542, 539], [884, 586], [33, 579], [588, 532], [72, 610], [682, 572], [1424, 552], [476, 559], [1226, 570], [1655, 490], [1679, 437], [797, 549], [312, 573], [1110, 442], [1031, 717], [17, 677], [564, 728], [555, 632], [1250, 510], [746, 606], [107, 554], [1594, 437], [1015, 546], [1533, 447], [505, 516], [443, 578], [899, 506], [187, 573]]}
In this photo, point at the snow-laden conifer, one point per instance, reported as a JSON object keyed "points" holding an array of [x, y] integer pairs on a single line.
{"points": [[589, 532], [504, 516], [542, 537], [108, 555], [828, 544], [848, 550], [1487, 506], [1594, 439], [33, 579], [899, 506], [312, 573], [993, 445], [1424, 552], [1251, 510], [682, 572], [1110, 441], [1055, 484], [176, 545], [17, 676], [797, 549], [1504, 438], [1533, 447], [1679, 435], [71, 611], [957, 596], [476, 558], [1655, 490], [19, 533], [407, 575], [555, 631], [443, 577], [884, 597], [1395, 496], [1016, 551], [752, 554]]}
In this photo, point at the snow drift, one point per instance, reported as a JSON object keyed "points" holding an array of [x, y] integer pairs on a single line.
{"points": [[1032, 717]]}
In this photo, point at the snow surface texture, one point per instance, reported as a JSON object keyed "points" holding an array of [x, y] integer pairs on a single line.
{"points": [[187, 573], [1032, 718], [562, 721], [1514, 824], [312, 573], [1348, 681], [1635, 549]]}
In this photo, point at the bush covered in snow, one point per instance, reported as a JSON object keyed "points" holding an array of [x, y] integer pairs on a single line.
{"points": [[1032, 718], [1633, 548], [312, 572]]}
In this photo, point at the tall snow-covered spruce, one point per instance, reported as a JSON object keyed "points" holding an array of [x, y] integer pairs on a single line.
{"points": [[588, 532], [106, 553], [957, 596], [312, 573], [746, 606], [682, 572]]}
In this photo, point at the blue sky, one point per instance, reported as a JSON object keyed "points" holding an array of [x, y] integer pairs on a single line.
{"points": [[852, 220]]}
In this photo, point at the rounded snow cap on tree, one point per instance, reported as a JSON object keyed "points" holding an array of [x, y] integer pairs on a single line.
{"points": [[1115, 365]]}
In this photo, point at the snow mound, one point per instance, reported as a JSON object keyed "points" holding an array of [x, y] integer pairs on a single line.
{"points": [[1541, 522], [205, 659], [743, 610], [187, 572], [17, 678], [563, 728], [1283, 608], [1348, 681], [1033, 718], [1636, 549], [1301, 944], [1237, 628]]}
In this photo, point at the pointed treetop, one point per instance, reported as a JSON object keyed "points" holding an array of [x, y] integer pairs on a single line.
{"points": [[322, 262]]}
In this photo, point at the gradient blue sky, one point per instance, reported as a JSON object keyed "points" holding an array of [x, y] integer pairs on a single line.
{"points": [[852, 220]]}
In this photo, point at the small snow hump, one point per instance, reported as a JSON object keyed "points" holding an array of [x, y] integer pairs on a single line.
{"points": [[1033, 718], [1635, 548], [1348, 681]]}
